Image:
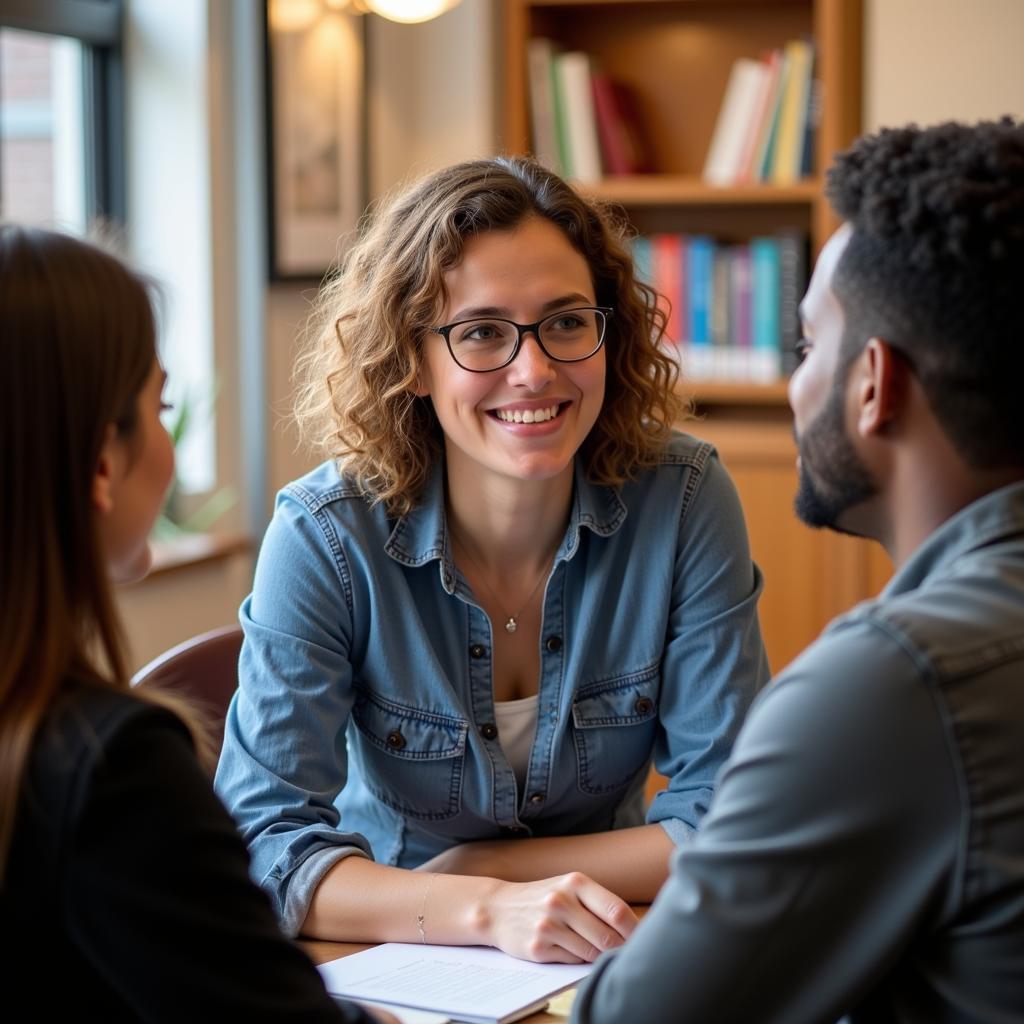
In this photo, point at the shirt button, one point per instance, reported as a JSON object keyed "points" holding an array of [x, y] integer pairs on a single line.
{"points": [[553, 644], [447, 579], [488, 730], [477, 651], [513, 830], [396, 740], [536, 798], [643, 705]]}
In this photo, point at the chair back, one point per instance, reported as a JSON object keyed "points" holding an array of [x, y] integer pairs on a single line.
{"points": [[205, 669]]}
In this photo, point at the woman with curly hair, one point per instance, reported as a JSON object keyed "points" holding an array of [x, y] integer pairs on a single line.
{"points": [[510, 586]]}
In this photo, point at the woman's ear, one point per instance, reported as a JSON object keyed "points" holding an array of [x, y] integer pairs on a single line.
{"points": [[421, 385], [106, 468]]}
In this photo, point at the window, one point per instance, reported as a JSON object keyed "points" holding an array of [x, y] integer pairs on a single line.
{"points": [[61, 145]]}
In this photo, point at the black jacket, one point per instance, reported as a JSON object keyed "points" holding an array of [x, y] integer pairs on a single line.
{"points": [[127, 895]]}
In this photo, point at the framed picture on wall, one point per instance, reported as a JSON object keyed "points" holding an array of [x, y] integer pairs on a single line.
{"points": [[316, 136]]}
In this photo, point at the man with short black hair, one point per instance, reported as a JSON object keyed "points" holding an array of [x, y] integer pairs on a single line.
{"points": [[864, 853]]}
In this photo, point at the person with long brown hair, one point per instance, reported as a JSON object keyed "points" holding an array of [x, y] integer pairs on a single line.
{"points": [[509, 586], [124, 888]]}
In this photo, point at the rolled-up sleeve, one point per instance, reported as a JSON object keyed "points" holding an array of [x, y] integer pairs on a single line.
{"points": [[714, 661], [284, 759]]}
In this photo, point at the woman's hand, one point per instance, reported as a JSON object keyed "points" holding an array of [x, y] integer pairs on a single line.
{"points": [[569, 919]]}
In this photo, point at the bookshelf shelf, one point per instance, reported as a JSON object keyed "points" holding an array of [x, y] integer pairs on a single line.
{"points": [[734, 393], [689, 190], [675, 57]]}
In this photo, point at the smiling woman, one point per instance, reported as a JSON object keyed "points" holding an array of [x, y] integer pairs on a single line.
{"points": [[510, 586]]}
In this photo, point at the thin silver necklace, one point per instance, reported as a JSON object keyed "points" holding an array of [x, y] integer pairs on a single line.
{"points": [[511, 621]]}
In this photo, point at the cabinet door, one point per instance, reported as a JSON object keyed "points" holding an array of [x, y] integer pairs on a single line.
{"points": [[810, 575]]}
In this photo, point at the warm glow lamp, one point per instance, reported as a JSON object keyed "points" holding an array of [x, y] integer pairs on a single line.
{"points": [[409, 11], [299, 15]]}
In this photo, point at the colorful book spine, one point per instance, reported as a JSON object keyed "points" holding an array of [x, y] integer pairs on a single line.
{"points": [[540, 56], [788, 152], [740, 312], [573, 72], [766, 362], [668, 258], [624, 148], [701, 273], [761, 120], [643, 259], [735, 121], [792, 285], [766, 153]]}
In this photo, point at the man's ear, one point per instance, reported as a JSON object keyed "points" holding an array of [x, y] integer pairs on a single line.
{"points": [[880, 385], [106, 469]]}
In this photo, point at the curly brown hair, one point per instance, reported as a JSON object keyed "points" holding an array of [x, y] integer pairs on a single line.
{"points": [[356, 378]]}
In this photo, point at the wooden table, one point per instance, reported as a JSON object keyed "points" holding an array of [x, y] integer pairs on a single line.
{"points": [[320, 952]]}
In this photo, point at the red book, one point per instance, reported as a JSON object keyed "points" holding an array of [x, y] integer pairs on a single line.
{"points": [[668, 283], [624, 148]]}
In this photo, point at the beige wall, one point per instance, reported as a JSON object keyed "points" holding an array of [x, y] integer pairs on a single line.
{"points": [[936, 60], [431, 101]]}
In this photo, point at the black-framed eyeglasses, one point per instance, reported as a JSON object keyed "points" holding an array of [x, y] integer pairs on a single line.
{"points": [[490, 343]]}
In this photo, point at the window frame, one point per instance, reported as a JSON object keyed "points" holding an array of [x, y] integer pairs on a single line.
{"points": [[99, 26]]}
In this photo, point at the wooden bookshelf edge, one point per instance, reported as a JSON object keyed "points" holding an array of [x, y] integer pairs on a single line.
{"points": [[722, 392]]}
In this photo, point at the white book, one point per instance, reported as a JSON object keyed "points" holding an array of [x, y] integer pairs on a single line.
{"points": [[573, 70], [467, 983], [540, 58], [736, 117]]}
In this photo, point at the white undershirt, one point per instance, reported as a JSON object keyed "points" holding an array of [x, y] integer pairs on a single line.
{"points": [[517, 725]]}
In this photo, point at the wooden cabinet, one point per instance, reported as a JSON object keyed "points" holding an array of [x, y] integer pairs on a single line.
{"points": [[676, 56], [810, 575]]}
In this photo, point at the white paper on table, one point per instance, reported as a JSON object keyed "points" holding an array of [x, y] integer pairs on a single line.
{"points": [[466, 983], [406, 1014]]}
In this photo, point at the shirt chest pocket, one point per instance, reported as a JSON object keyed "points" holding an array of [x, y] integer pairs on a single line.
{"points": [[412, 759], [614, 725]]}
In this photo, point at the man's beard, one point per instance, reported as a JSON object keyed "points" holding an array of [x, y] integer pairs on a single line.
{"points": [[833, 479]]}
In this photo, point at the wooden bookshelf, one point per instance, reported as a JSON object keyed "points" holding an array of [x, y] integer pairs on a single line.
{"points": [[676, 56], [690, 190]]}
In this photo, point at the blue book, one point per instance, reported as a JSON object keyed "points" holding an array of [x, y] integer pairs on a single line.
{"points": [[701, 277], [643, 259], [766, 327]]}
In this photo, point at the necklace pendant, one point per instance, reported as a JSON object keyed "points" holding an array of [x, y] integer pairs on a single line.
{"points": [[511, 626]]}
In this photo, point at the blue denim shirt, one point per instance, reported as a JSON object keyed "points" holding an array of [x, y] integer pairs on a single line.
{"points": [[364, 720], [864, 853]]}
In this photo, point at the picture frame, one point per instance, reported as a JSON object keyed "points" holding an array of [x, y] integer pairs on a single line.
{"points": [[316, 140]]}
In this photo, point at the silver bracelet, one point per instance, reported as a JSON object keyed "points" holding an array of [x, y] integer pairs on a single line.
{"points": [[421, 916]]}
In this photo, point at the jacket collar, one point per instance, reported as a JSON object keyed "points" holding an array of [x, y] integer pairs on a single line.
{"points": [[997, 515], [422, 535]]}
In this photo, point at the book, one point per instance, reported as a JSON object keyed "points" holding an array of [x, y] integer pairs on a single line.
{"points": [[643, 259], [624, 145], [789, 145], [573, 75], [540, 58], [766, 149], [698, 353], [811, 127], [467, 983], [792, 285], [765, 305], [764, 113], [668, 283], [735, 121], [740, 302]]}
